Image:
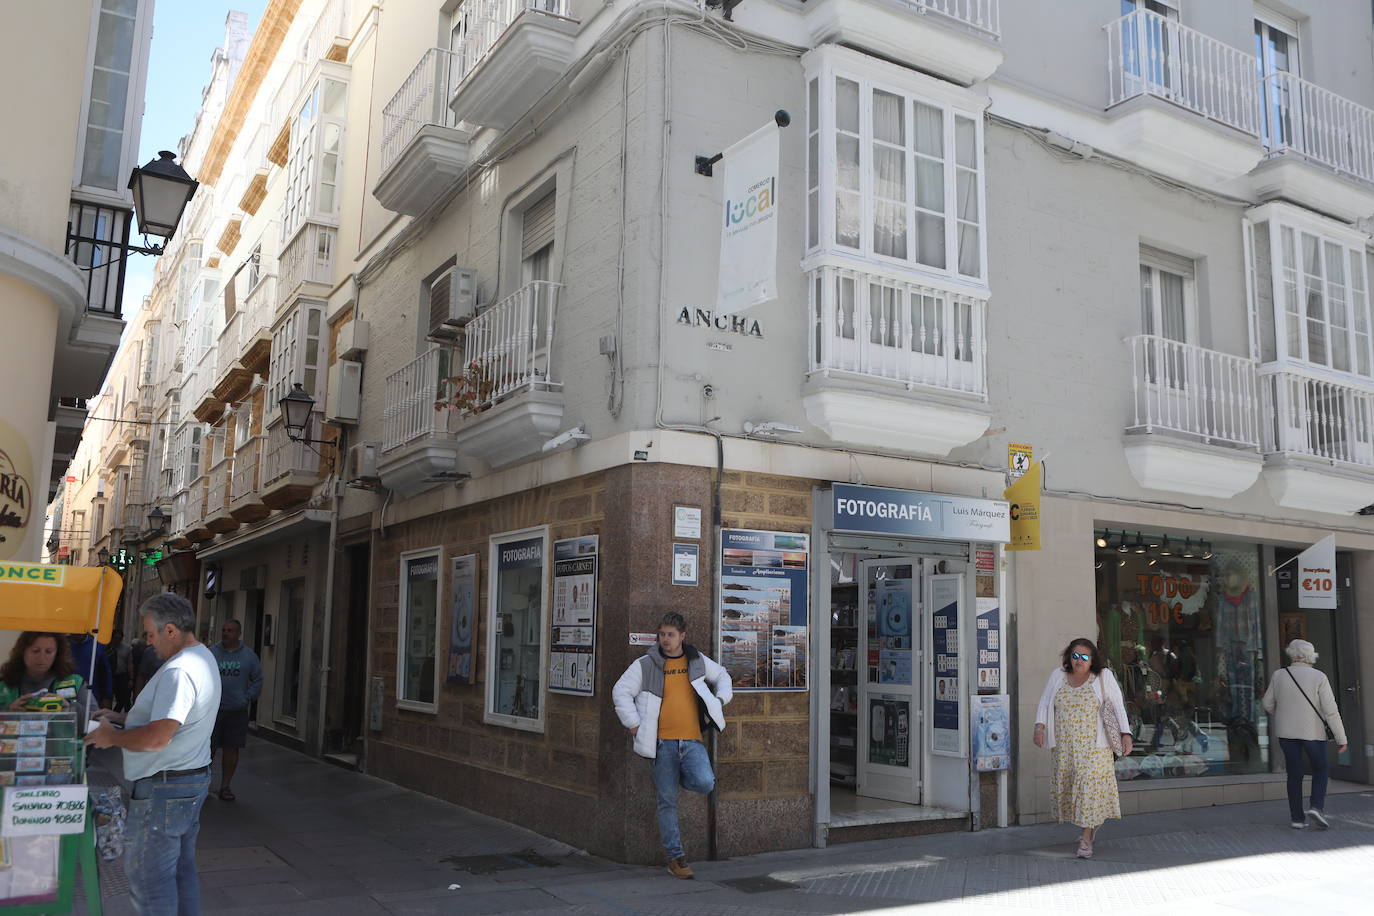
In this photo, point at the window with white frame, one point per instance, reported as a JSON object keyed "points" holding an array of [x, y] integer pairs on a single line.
{"points": [[253, 272], [313, 163], [417, 630], [1167, 311], [517, 619], [1310, 291], [118, 59], [296, 352], [895, 167]]}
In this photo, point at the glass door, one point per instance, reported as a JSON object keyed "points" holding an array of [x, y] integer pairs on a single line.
{"points": [[1276, 56], [889, 678]]}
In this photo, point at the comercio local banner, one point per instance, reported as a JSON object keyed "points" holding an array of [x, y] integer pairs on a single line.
{"points": [[912, 513]]}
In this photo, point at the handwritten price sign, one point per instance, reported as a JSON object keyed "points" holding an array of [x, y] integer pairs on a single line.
{"points": [[44, 811]]}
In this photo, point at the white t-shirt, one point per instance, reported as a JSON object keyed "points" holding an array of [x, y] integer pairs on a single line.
{"points": [[185, 689]]}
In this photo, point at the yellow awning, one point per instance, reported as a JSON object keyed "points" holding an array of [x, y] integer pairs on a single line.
{"points": [[59, 599]]}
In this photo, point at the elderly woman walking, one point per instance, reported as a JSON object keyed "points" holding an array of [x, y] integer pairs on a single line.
{"points": [[1305, 717], [1070, 720]]}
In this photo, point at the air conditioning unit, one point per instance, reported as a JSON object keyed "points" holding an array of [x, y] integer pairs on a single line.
{"points": [[354, 338], [452, 301], [362, 462], [344, 400]]}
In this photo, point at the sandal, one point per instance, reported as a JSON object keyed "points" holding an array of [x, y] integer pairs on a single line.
{"points": [[227, 794], [1085, 849]]}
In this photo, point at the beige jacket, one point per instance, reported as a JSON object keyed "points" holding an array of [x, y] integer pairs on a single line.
{"points": [[1293, 717]]}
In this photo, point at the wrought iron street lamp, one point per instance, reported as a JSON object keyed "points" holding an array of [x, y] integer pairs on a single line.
{"points": [[296, 407], [162, 189]]}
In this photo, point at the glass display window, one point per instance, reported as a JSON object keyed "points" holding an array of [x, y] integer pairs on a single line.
{"points": [[517, 621], [1180, 621]]}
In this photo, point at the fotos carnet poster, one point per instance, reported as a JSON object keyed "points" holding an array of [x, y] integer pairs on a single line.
{"points": [[764, 609], [572, 657]]}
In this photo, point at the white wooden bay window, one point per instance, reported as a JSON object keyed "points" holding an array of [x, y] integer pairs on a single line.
{"points": [[894, 169], [313, 166]]}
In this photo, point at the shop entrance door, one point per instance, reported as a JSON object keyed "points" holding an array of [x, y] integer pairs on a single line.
{"points": [[889, 751], [1336, 639]]}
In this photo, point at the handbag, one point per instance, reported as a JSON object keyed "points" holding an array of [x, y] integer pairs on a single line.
{"points": [[1109, 723], [1330, 735]]}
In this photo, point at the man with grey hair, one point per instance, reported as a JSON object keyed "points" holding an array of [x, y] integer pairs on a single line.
{"points": [[165, 739]]}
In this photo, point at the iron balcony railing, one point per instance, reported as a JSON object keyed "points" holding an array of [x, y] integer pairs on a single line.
{"points": [[981, 16], [247, 462], [408, 411], [509, 346], [1305, 415], [221, 480], [307, 258], [283, 457], [879, 326], [1194, 392], [1148, 54], [195, 501], [422, 99], [483, 22], [1321, 125]]}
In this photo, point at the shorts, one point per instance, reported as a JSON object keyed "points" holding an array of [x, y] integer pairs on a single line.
{"points": [[231, 728]]}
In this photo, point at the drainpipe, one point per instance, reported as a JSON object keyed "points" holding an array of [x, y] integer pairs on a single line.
{"points": [[325, 648]]}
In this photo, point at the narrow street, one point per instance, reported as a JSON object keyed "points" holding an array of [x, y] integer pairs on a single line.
{"points": [[305, 837]]}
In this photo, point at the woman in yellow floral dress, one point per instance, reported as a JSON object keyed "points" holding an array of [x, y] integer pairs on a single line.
{"points": [[1069, 720]]}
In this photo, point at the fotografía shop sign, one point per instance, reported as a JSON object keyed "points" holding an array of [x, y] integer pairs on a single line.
{"points": [[912, 513]]}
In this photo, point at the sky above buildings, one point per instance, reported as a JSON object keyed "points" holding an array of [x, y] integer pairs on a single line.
{"points": [[185, 35]]}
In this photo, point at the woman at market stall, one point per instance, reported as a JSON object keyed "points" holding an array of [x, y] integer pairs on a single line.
{"points": [[40, 666]]}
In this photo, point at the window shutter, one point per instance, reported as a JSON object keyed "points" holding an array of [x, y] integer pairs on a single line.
{"points": [[537, 232]]}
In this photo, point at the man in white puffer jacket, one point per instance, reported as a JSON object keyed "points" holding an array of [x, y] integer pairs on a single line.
{"points": [[665, 698]]}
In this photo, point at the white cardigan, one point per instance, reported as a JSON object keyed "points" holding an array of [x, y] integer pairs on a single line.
{"points": [[1105, 682], [1293, 716]]}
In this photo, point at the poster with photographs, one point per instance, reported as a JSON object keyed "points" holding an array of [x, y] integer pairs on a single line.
{"points": [[462, 600], [572, 652], [764, 629]]}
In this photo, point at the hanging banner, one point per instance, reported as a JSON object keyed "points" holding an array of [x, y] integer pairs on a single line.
{"points": [[1317, 575], [1024, 497], [572, 659], [763, 609], [749, 234], [463, 616]]}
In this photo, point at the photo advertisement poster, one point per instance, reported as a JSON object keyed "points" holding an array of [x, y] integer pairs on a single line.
{"points": [[764, 608], [946, 689], [991, 733], [462, 600], [572, 653]]}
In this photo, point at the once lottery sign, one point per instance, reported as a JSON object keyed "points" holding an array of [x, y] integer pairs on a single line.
{"points": [[44, 811], [32, 574]]}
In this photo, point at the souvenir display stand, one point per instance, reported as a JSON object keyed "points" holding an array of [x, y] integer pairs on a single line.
{"points": [[41, 752]]}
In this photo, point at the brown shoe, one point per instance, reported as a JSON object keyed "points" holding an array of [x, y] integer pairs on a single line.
{"points": [[679, 868]]}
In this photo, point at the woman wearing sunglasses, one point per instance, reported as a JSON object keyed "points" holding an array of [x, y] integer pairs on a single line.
{"points": [[1069, 720]]}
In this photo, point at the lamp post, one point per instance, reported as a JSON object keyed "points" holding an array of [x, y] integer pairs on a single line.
{"points": [[103, 556], [161, 189], [157, 518], [296, 407]]}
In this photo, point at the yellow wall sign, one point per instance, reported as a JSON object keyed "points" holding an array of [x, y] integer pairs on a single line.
{"points": [[1019, 457], [33, 574], [1024, 496]]}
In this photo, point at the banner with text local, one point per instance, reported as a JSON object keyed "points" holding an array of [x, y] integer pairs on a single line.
{"points": [[749, 236], [1317, 575]]}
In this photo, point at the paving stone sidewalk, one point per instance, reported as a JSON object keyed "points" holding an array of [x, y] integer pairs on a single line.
{"points": [[306, 837]]}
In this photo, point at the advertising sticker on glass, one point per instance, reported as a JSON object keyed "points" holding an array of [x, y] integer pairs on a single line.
{"points": [[573, 649], [763, 609], [944, 595], [463, 610]]}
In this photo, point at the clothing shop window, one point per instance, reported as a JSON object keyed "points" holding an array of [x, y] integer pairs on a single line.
{"points": [[517, 617], [894, 167], [417, 675], [1180, 621]]}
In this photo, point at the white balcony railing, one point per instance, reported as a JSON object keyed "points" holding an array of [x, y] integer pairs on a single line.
{"points": [[1198, 393], [307, 258], [1148, 54], [980, 15], [422, 99], [329, 27], [1317, 417], [511, 343], [227, 348], [282, 457], [220, 482], [408, 411], [483, 22], [874, 325], [179, 501], [195, 501], [1300, 116], [258, 310], [246, 466], [135, 517]]}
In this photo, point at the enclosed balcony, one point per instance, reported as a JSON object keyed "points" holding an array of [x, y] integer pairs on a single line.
{"points": [[217, 515], [423, 151], [506, 402], [231, 378], [512, 52], [255, 338], [307, 263], [1180, 102], [289, 470], [245, 498], [958, 40], [1318, 441], [1195, 421], [894, 364], [1320, 148], [196, 529]]}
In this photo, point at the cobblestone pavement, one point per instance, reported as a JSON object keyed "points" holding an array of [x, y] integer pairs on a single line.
{"points": [[306, 837]]}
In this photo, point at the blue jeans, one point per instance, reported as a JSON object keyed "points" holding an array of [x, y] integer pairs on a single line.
{"points": [[678, 763], [1293, 749], [160, 848]]}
